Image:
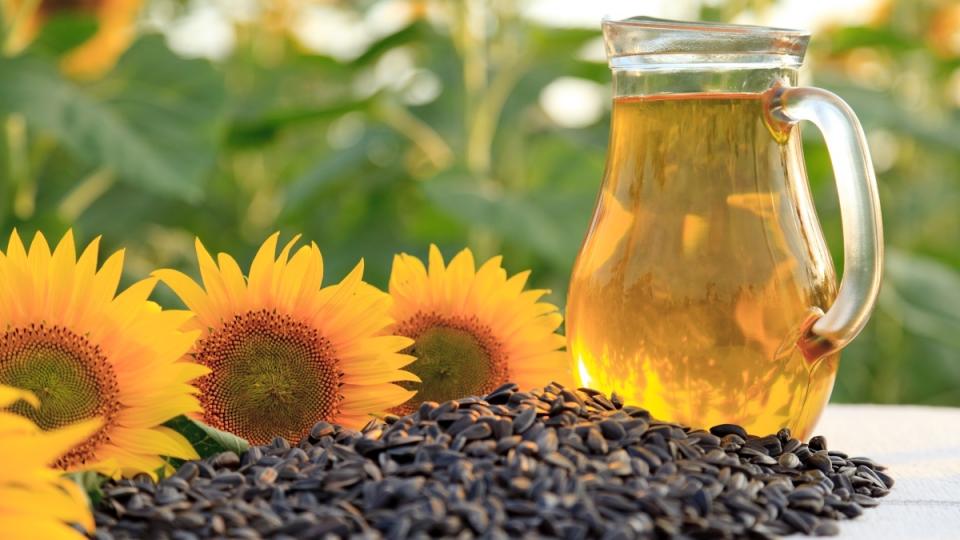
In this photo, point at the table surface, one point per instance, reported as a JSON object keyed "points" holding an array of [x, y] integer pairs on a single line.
{"points": [[921, 447]]}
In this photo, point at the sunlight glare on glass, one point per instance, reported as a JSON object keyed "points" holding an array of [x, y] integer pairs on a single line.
{"points": [[585, 378]]}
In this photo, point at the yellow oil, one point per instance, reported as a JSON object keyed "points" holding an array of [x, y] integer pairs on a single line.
{"points": [[703, 261]]}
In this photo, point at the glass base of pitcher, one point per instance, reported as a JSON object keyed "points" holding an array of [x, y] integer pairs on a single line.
{"points": [[791, 396]]}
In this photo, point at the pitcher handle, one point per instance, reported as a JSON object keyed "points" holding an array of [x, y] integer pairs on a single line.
{"points": [[859, 212]]}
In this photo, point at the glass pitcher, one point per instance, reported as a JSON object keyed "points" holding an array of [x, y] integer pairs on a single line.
{"points": [[704, 290]]}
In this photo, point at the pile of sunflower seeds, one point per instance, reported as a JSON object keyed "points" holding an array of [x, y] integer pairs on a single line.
{"points": [[551, 462]]}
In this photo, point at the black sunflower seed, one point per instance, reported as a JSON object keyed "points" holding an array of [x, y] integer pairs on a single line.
{"points": [[553, 462], [817, 443], [723, 430]]}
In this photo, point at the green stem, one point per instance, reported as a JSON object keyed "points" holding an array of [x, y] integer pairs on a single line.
{"points": [[85, 194], [419, 132], [475, 66], [18, 166]]}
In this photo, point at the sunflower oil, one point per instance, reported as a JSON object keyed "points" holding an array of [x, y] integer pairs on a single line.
{"points": [[701, 266]]}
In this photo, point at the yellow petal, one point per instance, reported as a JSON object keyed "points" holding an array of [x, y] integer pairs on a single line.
{"points": [[83, 277], [125, 463], [408, 286], [9, 395], [158, 441], [190, 294], [280, 265], [131, 301], [289, 288], [261, 270], [435, 276], [14, 424], [39, 255], [365, 399], [459, 280], [62, 274], [45, 447], [45, 502], [15, 528], [236, 286], [39, 265], [154, 414], [15, 250], [107, 279], [379, 377], [212, 281], [375, 345], [331, 299]]}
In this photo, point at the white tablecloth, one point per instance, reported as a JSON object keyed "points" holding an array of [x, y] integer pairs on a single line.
{"points": [[921, 447]]}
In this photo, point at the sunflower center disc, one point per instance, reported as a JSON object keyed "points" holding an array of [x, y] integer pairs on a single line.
{"points": [[270, 376], [455, 358], [71, 378]]}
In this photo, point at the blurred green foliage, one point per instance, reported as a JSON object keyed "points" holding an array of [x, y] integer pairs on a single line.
{"points": [[347, 152]]}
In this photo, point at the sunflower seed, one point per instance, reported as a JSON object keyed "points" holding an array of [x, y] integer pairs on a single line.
{"points": [[820, 461], [550, 462], [789, 460], [190, 470], [817, 443], [723, 430], [524, 420]]}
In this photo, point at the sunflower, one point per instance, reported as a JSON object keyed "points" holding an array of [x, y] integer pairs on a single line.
{"points": [[93, 57], [36, 501], [473, 330], [943, 34], [87, 352], [285, 353]]}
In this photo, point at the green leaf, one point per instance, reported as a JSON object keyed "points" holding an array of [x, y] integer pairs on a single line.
{"points": [[246, 132], [64, 31], [329, 170], [207, 441], [403, 36], [841, 40], [507, 213], [875, 108], [153, 120], [924, 295], [91, 482]]}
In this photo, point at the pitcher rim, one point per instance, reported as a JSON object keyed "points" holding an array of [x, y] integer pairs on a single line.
{"points": [[642, 43], [708, 26]]}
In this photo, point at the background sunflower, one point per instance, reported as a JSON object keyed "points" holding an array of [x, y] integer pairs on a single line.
{"points": [[86, 351], [285, 352], [113, 30]]}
